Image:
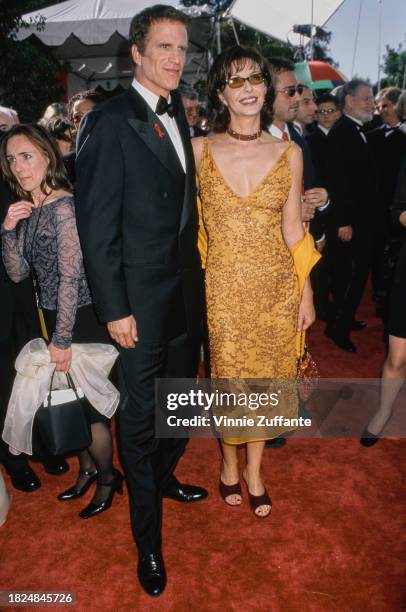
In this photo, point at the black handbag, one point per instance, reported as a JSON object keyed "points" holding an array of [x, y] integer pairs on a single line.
{"points": [[62, 422]]}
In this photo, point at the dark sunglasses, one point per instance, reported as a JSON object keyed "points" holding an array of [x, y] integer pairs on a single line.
{"points": [[326, 111], [65, 138], [291, 90], [235, 82]]}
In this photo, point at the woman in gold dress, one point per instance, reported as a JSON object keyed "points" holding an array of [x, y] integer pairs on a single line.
{"points": [[250, 190]]}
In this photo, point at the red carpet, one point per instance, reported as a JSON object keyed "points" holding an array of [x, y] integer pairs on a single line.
{"points": [[335, 541]]}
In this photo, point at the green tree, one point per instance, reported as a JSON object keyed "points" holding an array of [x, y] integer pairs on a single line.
{"points": [[394, 66], [28, 73]]}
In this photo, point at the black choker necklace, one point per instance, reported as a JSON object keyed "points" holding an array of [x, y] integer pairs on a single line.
{"points": [[238, 136]]}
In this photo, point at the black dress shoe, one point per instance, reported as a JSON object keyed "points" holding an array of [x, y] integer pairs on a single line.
{"points": [[368, 439], [75, 492], [116, 486], [185, 493], [55, 465], [25, 480], [358, 325], [276, 443], [151, 574], [342, 341]]}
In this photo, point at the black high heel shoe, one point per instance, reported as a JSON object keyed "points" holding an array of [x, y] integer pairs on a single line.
{"points": [[75, 492], [368, 439], [116, 485]]}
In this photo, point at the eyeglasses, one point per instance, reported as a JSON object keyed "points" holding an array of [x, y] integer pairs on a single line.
{"points": [[235, 82], [326, 111], [291, 90]]}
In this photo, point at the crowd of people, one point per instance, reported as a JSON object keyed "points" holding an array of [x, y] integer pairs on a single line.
{"points": [[102, 219]]}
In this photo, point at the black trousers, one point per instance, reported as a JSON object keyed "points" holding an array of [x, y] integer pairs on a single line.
{"points": [[350, 263], [19, 324], [149, 462]]}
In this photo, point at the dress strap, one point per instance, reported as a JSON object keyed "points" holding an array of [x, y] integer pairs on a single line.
{"points": [[205, 155]]}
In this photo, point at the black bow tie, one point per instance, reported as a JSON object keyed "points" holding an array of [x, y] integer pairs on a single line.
{"points": [[163, 106]]}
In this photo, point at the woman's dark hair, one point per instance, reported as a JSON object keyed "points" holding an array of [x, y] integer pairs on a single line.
{"points": [[55, 177], [142, 22], [231, 60]]}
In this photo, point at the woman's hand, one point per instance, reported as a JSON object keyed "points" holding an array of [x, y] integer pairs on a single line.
{"points": [[61, 357], [16, 212], [307, 313]]}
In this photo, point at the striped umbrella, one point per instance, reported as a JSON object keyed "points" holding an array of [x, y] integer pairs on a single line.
{"points": [[319, 75]]}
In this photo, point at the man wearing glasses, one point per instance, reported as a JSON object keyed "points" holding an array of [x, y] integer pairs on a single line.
{"points": [[288, 94], [353, 220]]}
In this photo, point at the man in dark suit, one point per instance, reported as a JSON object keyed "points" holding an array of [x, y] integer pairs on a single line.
{"points": [[327, 114], [352, 220], [137, 219], [190, 101], [288, 94]]}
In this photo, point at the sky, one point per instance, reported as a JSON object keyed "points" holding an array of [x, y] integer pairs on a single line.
{"points": [[343, 27]]}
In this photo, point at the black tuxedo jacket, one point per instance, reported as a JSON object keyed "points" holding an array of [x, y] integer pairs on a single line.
{"points": [[351, 177], [316, 226], [388, 148], [316, 142], [137, 218]]}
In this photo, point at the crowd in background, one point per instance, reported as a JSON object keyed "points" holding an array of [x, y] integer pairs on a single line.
{"points": [[359, 227]]}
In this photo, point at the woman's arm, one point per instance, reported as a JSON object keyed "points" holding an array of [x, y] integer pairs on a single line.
{"points": [[69, 270], [292, 230], [292, 227], [15, 263]]}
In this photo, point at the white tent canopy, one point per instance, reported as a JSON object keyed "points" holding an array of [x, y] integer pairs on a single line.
{"points": [[92, 35], [276, 18]]}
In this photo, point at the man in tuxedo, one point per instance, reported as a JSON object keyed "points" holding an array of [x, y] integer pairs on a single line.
{"points": [[288, 94], [137, 220], [352, 223], [190, 101], [327, 113], [306, 112]]}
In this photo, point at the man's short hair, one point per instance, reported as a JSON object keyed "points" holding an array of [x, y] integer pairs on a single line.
{"points": [[350, 89], [327, 97], [187, 91], [278, 65], [401, 107], [391, 93], [142, 22]]}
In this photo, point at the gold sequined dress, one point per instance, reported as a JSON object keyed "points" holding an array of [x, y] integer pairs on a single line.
{"points": [[251, 285]]}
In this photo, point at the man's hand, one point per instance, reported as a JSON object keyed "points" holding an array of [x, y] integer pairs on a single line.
{"points": [[317, 197], [124, 331], [307, 211], [320, 244], [345, 233]]}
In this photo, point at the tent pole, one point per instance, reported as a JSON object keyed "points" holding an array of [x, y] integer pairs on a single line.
{"points": [[218, 33], [235, 31], [379, 44], [311, 32], [356, 37]]}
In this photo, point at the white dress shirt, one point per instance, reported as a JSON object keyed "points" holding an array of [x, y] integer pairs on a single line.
{"points": [[278, 133], [168, 122], [323, 129]]}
